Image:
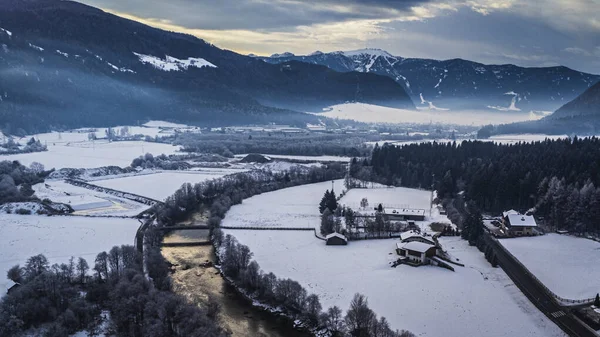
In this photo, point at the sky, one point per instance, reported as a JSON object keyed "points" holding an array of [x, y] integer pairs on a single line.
{"points": [[523, 32]]}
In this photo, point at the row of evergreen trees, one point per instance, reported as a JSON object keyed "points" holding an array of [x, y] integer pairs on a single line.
{"points": [[60, 300], [557, 179]]}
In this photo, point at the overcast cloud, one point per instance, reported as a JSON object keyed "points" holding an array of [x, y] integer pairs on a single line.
{"points": [[528, 33]]}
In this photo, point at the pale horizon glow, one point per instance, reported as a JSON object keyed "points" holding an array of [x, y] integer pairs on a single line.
{"points": [[524, 33]]}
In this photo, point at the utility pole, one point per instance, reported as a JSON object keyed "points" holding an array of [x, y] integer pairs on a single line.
{"points": [[432, 188]]}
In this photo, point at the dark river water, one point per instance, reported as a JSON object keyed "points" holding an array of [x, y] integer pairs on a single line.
{"points": [[197, 280]]}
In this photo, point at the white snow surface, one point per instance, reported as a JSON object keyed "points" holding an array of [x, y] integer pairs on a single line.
{"points": [[390, 197], [161, 185], [75, 151], [36, 47], [477, 300], [291, 207], [369, 113], [59, 238], [33, 207], [174, 64], [8, 32], [87, 202], [367, 51], [567, 265]]}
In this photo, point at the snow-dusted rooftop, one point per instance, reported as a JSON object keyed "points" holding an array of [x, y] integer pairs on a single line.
{"points": [[521, 220], [415, 246], [507, 213], [336, 235], [410, 234]]}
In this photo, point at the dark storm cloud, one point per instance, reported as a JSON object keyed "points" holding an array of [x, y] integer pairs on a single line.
{"points": [[257, 14]]}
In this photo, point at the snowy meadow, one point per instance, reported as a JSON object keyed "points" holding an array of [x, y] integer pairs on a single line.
{"points": [[59, 238], [465, 302]]}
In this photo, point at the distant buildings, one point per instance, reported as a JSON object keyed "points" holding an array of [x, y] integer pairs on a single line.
{"points": [[395, 214], [403, 214]]}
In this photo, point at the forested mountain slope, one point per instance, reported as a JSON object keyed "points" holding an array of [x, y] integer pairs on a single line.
{"points": [[65, 64], [460, 84]]}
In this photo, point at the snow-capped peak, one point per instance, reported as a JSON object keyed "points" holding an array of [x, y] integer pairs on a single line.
{"points": [[367, 51], [286, 54], [317, 53]]}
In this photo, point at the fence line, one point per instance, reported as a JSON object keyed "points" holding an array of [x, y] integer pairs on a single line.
{"points": [[269, 228], [356, 206]]}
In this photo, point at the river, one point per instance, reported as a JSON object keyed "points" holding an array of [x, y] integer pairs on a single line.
{"points": [[196, 279]]}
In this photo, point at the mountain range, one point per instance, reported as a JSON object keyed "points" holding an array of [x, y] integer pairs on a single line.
{"points": [[64, 64], [581, 116], [459, 84]]}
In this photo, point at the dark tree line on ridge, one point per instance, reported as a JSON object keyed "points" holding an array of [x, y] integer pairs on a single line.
{"points": [[359, 321], [274, 143], [558, 180], [59, 300]]}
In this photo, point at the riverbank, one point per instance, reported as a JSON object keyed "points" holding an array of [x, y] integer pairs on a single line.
{"points": [[196, 279]]}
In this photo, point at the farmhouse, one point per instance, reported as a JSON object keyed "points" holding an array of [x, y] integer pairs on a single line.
{"points": [[336, 239], [402, 214], [416, 252], [517, 224], [412, 236]]}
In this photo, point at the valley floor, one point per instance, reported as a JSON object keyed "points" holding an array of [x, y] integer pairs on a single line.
{"points": [[476, 300], [59, 238]]}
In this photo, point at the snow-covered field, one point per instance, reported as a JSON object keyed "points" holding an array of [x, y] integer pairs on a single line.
{"points": [[59, 238], [476, 300], [567, 265], [87, 202], [162, 185], [393, 197], [87, 154], [368, 113], [291, 207]]}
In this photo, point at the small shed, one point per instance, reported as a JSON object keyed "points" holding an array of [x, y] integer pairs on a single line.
{"points": [[336, 239], [12, 286]]}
